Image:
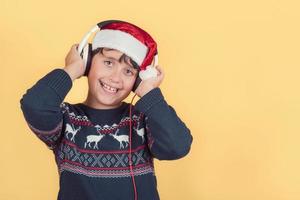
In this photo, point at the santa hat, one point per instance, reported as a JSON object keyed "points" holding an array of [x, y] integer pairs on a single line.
{"points": [[129, 39]]}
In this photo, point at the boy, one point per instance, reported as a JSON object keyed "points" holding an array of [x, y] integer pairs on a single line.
{"points": [[99, 156]]}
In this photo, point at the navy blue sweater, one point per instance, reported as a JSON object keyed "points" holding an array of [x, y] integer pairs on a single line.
{"points": [[91, 146]]}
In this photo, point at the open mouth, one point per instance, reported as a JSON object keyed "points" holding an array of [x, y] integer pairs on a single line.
{"points": [[108, 88]]}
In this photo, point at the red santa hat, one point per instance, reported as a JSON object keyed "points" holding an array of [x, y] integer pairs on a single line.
{"points": [[129, 39]]}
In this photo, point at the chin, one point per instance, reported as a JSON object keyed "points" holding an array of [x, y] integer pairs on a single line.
{"points": [[109, 102]]}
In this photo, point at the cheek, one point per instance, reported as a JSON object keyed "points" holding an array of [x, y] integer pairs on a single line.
{"points": [[98, 70], [129, 82], [94, 76]]}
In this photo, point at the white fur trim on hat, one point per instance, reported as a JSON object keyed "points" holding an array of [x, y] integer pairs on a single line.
{"points": [[121, 41]]}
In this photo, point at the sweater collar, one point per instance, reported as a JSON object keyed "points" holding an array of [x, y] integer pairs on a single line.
{"points": [[104, 115]]}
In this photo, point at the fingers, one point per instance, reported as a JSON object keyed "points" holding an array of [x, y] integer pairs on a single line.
{"points": [[160, 72], [73, 53], [74, 47], [159, 69]]}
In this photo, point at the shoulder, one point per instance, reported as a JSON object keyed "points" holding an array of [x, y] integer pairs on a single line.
{"points": [[69, 108]]}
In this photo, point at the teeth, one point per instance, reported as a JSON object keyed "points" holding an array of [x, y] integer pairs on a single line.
{"points": [[111, 89]]}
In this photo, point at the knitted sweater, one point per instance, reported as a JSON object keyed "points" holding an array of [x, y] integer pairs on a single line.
{"points": [[91, 146]]}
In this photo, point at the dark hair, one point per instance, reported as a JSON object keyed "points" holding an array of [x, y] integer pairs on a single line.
{"points": [[124, 57]]}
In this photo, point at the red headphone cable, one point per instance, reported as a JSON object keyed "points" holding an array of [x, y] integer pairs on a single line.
{"points": [[130, 150]]}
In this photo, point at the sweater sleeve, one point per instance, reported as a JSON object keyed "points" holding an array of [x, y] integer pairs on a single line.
{"points": [[168, 137], [42, 106]]}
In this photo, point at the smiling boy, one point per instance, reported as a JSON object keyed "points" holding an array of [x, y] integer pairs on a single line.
{"points": [[94, 151], [113, 78]]}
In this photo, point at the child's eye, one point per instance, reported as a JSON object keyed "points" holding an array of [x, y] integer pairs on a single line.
{"points": [[108, 63], [129, 72]]}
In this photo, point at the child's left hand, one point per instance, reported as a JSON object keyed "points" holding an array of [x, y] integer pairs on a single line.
{"points": [[151, 83]]}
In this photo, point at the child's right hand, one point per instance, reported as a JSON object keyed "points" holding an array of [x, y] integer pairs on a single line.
{"points": [[74, 64]]}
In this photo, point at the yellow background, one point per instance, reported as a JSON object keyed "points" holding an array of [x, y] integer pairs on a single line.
{"points": [[232, 73]]}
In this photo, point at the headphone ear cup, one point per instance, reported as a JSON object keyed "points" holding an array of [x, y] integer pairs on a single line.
{"points": [[87, 55], [137, 82]]}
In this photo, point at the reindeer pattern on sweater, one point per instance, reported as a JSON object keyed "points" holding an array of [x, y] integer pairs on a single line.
{"points": [[93, 139], [87, 146]]}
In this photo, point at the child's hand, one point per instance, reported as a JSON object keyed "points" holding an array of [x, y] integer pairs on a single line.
{"points": [[151, 83], [74, 64]]}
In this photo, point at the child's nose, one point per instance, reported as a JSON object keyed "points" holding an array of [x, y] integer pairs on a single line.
{"points": [[115, 76]]}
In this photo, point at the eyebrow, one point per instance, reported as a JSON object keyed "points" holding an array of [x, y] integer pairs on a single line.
{"points": [[113, 58], [118, 60]]}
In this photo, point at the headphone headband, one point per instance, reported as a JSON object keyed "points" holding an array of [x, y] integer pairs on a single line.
{"points": [[94, 29]]}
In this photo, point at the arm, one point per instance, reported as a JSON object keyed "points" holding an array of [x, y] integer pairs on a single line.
{"points": [[41, 104], [168, 136]]}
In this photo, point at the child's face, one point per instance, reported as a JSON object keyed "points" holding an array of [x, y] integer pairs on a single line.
{"points": [[110, 81]]}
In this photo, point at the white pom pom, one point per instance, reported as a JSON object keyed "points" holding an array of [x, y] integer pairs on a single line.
{"points": [[150, 72]]}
